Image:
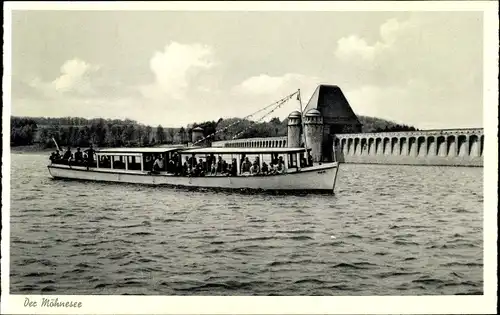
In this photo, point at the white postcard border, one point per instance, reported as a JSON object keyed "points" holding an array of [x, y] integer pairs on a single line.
{"points": [[13, 304]]}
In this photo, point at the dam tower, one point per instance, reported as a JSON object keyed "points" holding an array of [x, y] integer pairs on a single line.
{"points": [[196, 134], [313, 125], [294, 129]]}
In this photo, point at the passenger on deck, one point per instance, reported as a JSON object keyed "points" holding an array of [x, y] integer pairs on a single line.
{"points": [[213, 168], [234, 168], [200, 168], [158, 164], [265, 168], [245, 166], [186, 167], [67, 155], [78, 156], [281, 165], [203, 165], [309, 160], [90, 156], [273, 169], [210, 161], [171, 165], [255, 169], [55, 156], [177, 164], [221, 166], [192, 162]]}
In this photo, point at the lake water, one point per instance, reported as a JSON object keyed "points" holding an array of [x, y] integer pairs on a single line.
{"points": [[388, 230]]}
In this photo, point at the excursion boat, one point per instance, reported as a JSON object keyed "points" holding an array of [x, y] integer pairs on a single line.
{"points": [[293, 167], [133, 165]]}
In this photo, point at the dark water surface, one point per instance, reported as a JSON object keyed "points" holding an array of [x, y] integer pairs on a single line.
{"points": [[389, 230]]}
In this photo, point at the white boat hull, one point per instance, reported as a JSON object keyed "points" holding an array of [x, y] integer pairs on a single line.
{"points": [[315, 178]]}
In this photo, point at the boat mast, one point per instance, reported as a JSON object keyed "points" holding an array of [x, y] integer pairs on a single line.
{"points": [[299, 98]]}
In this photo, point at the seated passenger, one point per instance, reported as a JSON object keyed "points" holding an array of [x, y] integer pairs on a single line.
{"points": [[234, 168], [203, 165], [281, 165], [55, 156], [245, 166], [78, 156], [200, 170], [67, 155], [255, 169], [158, 164], [213, 168], [221, 165], [192, 161], [273, 169], [265, 168], [186, 167]]}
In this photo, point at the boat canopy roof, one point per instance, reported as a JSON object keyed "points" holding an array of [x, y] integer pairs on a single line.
{"points": [[138, 150], [231, 150]]}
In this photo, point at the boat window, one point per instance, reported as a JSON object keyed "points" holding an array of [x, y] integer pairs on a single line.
{"points": [[104, 161], [118, 162], [134, 163], [148, 161]]}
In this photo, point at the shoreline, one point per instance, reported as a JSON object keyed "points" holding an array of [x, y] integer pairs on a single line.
{"points": [[30, 149], [37, 149]]}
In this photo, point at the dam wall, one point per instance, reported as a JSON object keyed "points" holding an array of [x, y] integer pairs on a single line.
{"points": [[453, 147], [450, 147]]}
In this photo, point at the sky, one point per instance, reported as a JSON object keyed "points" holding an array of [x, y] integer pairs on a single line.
{"points": [[175, 68]]}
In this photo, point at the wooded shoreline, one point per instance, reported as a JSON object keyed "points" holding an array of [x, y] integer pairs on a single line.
{"points": [[35, 134]]}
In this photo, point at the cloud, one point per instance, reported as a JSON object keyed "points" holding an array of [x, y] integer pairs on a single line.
{"points": [[175, 67], [355, 48], [75, 77], [435, 49], [417, 71], [76, 80]]}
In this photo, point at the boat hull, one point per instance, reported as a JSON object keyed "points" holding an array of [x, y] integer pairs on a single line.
{"points": [[315, 178]]}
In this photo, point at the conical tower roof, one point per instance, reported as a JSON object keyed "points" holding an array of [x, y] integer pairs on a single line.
{"points": [[333, 105]]}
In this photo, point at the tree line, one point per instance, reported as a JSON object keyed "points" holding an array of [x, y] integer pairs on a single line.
{"points": [[396, 128], [81, 132], [374, 124]]}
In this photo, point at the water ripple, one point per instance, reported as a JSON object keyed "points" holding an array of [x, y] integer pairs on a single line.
{"points": [[389, 230]]}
